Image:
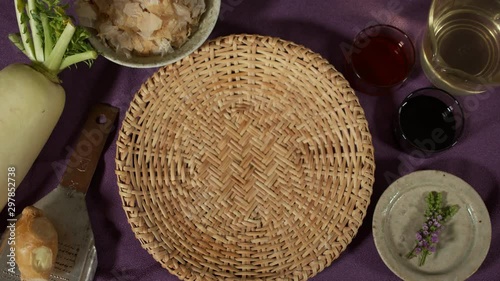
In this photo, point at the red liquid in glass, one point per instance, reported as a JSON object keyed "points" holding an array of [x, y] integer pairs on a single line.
{"points": [[382, 62]]}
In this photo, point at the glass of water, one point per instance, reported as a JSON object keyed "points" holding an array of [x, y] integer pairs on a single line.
{"points": [[461, 48]]}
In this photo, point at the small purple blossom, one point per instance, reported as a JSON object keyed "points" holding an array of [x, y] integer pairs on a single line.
{"points": [[425, 227], [434, 238], [439, 217], [418, 250], [418, 236], [432, 249], [426, 233]]}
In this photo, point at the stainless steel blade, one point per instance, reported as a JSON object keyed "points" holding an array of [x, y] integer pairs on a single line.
{"points": [[76, 259], [65, 206]]}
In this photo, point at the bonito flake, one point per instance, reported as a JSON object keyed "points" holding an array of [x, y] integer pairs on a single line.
{"points": [[141, 27]]}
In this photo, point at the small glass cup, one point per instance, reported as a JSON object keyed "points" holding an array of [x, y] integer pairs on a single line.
{"points": [[381, 58], [429, 120], [460, 49]]}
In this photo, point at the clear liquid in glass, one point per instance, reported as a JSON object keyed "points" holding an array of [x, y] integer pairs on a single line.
{"points": [[464, 53]]}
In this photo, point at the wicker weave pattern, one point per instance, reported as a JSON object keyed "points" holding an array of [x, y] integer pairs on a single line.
{"points": [[250, 159]]}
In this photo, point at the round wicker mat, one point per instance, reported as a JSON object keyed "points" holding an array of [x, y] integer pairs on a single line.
{"points": [[250, 159]]}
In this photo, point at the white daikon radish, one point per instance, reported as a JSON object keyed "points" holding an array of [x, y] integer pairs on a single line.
{"points": [[32, 99]]}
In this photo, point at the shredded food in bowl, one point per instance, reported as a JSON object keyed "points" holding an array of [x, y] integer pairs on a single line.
{"points": [[142, 27]]}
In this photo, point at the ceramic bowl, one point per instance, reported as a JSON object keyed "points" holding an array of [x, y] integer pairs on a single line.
{"points": [[207, 24]]}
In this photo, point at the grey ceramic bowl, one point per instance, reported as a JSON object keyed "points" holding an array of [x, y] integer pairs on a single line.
{"points": [[207, 24]]}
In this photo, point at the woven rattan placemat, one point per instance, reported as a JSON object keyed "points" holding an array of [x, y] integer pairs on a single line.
{"points": [[250, 159]]}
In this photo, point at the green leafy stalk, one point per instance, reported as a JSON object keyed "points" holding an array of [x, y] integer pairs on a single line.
{"points": [[73, 59], [23, 29], [49, 38], [55, 58], [16, 39], [34, 22], [48, 43]]}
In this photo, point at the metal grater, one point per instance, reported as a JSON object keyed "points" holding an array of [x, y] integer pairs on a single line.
{"points": [[65, 206]]}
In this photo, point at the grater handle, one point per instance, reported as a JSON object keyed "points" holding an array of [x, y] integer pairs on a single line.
{"points": [[88, 149]]}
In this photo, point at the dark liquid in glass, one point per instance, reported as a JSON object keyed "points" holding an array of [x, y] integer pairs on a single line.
{"points": [[428, 123], [381, 62]]}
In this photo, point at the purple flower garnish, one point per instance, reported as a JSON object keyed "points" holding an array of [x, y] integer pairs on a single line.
{"points": [[428, 236]]}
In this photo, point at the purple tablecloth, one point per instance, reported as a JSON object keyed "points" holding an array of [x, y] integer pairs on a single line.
{"points": [[322, 26]]}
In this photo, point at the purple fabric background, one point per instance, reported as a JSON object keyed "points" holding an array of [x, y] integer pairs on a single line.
{"points": [[321, 26]]}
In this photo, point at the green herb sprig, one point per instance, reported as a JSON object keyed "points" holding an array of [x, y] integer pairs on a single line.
{"points": [[428, 236]]}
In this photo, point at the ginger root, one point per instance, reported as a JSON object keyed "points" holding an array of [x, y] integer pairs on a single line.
{"points": [[36, 245]]}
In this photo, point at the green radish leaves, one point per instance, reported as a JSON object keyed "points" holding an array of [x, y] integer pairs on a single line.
{"points": [[48, 37]]}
